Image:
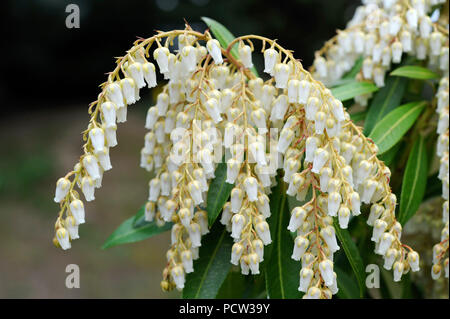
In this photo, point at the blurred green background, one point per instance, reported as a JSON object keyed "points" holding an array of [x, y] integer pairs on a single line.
{"points": [[50, 76]]}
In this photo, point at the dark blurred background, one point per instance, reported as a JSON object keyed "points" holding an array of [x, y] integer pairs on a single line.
{"points": [[49, 76]]}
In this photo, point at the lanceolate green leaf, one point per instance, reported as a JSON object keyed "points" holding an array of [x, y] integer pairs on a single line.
{"points": [[224, 37], [389, 156], [128, 232], [282, 271], [394, 125], [353, 256], [218, 193], [139, 218], [384, 101], [415, 72], [414, 181], [212, 267], [359, 116], [350, 90], [348, 288]]}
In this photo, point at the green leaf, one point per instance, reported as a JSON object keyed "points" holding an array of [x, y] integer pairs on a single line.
{"points": [[218, 193], [212, 267], [348, 289], [350, 90], [353, 256], [389, 156], [359, 116], [238, 286], [384, 101], [139, 218], [393, 126], [127, 233], [224, 37], [414, 181], [415, 72], [282, 271]]}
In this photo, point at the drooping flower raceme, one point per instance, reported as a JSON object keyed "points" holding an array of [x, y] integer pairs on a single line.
{"points": [[382, 32], [212, 107], [440, 250]]}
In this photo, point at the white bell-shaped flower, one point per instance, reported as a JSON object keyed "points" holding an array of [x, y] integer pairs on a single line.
{"points": [[251, 188], [109, 113], [195, 234], [304, 89], [355, 202], [412, 18], [379, 227], [161, 55], [286, 137], [162, 103], [110, 134], [334, 202], [281, 75], [320, 122], [195, 191], [72, 227], [328, 234], [88, 188], [114, 94], [300, 245], [77, 209], [214, 50], [263, 231], [62, 188], [311, 108], [150, 211], [270, 59], [344, 217], [237, 224], [148, 70], [306, 275], [104, 159], [187, 261], [385, 243], [413, 260], [62, 235], [398, 271], [212, 107], [155, 189], [189, 58], [236, 253], [326, 271], [90, 163], [97, 138], [136, 73], [312, 143], [129, 90], [298, 216], [233, 168], [425, 27], [320, 158], [262, 204], [178, 276], [389, 258], [245, 55]]}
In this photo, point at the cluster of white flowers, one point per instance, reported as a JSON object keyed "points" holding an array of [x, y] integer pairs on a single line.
{"points": [[380, 32], [440, 250], [110, 109], [213, 101]]}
